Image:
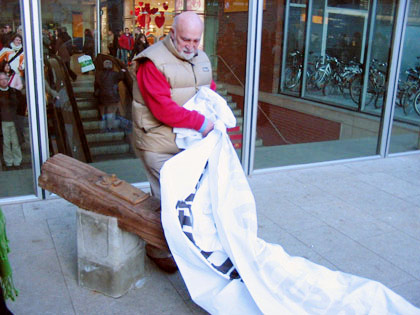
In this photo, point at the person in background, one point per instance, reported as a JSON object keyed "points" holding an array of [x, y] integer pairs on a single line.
{"points": [[126, 43], [106, 89], [140, 42], [15, 80], [169, 73], [19, 30], [89, 43], [6, 36], [111, 44], [14, 54], [47, 42], [10, 102], [63, 52]]}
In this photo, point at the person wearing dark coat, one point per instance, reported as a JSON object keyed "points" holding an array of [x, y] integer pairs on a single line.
{"points": [[106, 89], [61, 46], [89, 44], [140, 43]]}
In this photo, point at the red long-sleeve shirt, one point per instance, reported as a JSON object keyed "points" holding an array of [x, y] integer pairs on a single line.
{"points": [[156, 93]]}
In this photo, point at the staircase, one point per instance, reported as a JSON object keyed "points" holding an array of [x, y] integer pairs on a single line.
{"points": [[103, 145], [235, 133], [114, 144]]}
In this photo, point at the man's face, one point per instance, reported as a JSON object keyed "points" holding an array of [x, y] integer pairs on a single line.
{"points": [[7, 29], [186, 41], [127, 31], [4, 81]]}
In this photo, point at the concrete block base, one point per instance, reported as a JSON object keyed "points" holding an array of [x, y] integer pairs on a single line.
{"points": [[109, 260]]}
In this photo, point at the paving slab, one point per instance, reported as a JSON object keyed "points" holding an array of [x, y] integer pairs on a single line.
{"points": [[41, 210], [360, 261], [410, 291], [399, 248], [42, 288], [351, 221]]}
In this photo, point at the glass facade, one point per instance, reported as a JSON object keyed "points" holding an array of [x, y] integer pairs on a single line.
{"points": [[16, 173], [406, 120], [310, 83]]}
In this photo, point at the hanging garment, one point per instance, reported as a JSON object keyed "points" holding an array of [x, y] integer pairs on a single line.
{"points": [[210, 224]]}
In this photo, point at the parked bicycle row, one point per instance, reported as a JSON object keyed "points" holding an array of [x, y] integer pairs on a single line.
{"points": [[334, 77], [408, 96]]}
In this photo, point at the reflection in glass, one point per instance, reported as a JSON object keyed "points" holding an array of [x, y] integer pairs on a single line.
{"points": [[76, 124], [15, 152], [345, 63], [406, 123]]}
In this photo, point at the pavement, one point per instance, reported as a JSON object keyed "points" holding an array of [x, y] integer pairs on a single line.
{"points": [[359, 217]]}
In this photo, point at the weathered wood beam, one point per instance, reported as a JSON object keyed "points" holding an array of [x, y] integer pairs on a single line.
{"points": [[95, 190]]}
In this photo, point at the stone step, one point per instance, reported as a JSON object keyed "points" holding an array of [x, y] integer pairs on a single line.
{"points": [[228, 98], [84, 96], [91, 125], [222, 91], [88, 88], [101, 136], [105, 148], [237, 112], [88, 113], [232, 105], [86, 104]]}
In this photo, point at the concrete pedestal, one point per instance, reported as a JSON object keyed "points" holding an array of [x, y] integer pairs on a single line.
{"points": [[109, 260]]}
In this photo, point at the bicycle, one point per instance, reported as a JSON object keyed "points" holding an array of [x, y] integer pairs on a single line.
{"points": [[375, 88], [341, 77]]}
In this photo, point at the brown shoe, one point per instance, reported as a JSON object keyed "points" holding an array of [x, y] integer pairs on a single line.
{"points": [[162, 258]]}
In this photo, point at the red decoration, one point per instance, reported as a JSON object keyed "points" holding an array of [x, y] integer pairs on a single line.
{"points": [[141, 4], [153, 11], [147, 7], [160, 20], [165, 6], [142, 20], [131, 12], [137, 11]]}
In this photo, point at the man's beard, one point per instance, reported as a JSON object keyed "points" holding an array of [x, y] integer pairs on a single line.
{"points": [[187, 56]]}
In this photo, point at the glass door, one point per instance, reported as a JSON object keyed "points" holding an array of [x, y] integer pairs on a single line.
{"points": [[78, 124], [16, 166]]}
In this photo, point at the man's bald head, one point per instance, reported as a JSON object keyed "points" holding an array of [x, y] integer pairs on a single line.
{"points": [[186, 33]]}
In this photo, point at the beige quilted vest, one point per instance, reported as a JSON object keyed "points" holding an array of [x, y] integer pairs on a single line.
{"points": [[184, 77]]}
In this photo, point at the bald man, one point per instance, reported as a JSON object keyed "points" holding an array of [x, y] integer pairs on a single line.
{"points": [[169, 73]]}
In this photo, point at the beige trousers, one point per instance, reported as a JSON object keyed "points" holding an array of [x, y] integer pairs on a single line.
{"points": [[12, 153], [153, 162]]}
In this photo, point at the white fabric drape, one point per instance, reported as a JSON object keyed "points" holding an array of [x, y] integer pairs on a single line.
{"points": [[209, 219]]}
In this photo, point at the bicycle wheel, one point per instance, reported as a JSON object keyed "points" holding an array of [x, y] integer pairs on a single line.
{"points": [[416, 103], [407, 100], [329, 88], [372, 94], [355, 89], [292, 77]]}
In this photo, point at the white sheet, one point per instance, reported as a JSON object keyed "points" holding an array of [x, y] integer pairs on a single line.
{"points": [[209, 219]]}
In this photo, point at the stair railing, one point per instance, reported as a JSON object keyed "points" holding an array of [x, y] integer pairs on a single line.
{"points": [[259, 107]]}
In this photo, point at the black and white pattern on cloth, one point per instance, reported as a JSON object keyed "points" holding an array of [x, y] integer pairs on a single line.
{"points": [[218, 260]]}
